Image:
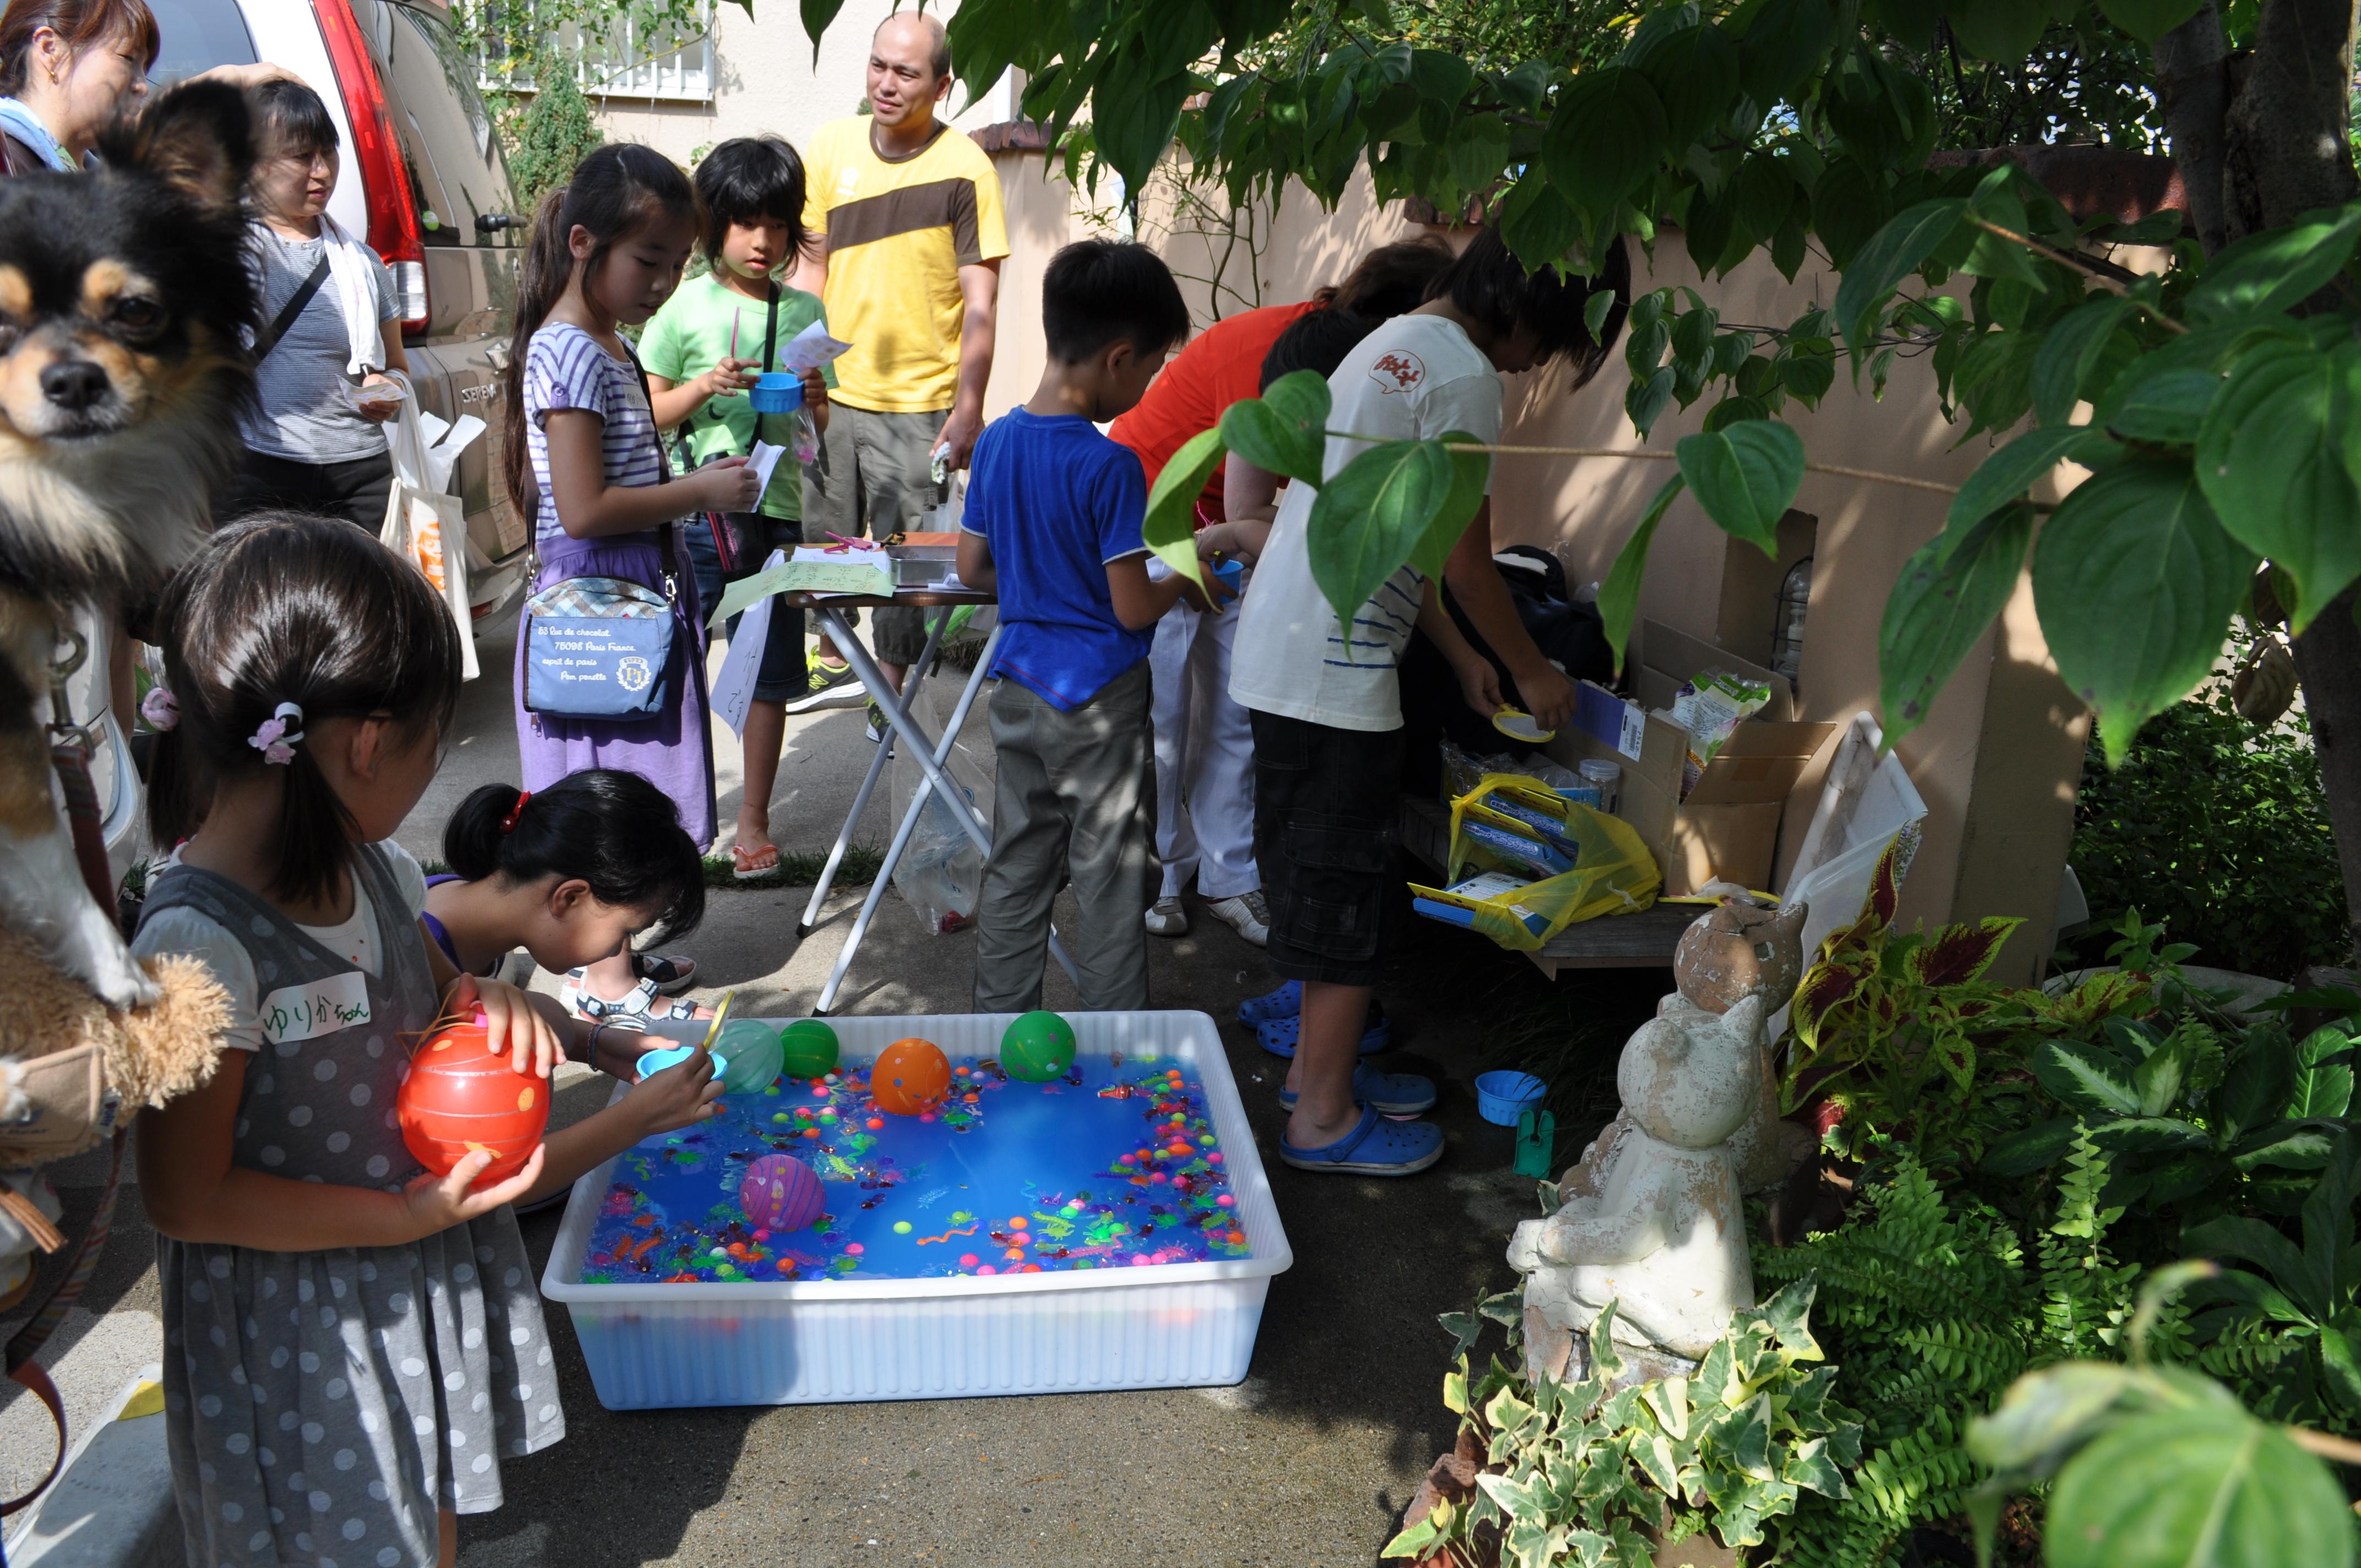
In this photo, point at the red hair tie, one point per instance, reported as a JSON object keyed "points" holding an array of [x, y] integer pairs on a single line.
{"points": [[508, 823]]}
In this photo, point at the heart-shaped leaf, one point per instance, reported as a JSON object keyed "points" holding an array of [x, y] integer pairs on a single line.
{"points": [[1284, 431], [1604, 139], [2270, 457], [1893, 253], [2196, 1485], [1370, 515], [2134, 581], [2279, 267], [2071, 355], [1169, 527], [1745, 477], [2148, 20], [2009, 473], [1619, 596]]}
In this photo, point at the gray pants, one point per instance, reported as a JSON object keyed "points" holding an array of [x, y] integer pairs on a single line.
{"points": [[875, 475], [1076, 793]]}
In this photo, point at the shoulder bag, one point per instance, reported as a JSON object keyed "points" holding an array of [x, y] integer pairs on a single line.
{"points": [[597, 647]]}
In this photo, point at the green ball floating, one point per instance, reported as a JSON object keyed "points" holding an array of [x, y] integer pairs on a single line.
{"points": [[810, 1048], [901, 1227], [1037, 1047], [749, 1055]]}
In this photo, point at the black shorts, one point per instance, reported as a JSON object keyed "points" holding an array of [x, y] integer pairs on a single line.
{"points": [[1327, 820]]}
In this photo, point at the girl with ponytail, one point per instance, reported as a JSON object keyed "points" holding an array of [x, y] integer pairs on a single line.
{"points": [[570, 873], [583, 459], [312, 675]]}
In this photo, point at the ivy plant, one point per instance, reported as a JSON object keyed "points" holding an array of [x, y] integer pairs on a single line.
{"points": [[1574, 1473]]}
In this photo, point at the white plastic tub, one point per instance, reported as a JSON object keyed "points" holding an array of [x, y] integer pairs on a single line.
{"points": [[813, 1342]]}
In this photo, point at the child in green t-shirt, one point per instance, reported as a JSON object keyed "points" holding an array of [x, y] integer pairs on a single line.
{"points": [[702, 350]]}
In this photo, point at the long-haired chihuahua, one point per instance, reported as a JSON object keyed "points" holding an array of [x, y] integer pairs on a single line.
{"points": [[123, 300]]}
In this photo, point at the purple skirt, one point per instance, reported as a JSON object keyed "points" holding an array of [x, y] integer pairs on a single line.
{"points": [[673, 750]]}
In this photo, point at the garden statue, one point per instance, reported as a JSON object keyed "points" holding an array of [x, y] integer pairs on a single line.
{"points": [[1737, 949], [1652, 1219]]}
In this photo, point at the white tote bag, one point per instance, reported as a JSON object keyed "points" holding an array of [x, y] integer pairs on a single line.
{"points": [[426, 524]]}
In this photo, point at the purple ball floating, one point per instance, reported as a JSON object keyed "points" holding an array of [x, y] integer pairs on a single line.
{"points": [[779, 1192]]}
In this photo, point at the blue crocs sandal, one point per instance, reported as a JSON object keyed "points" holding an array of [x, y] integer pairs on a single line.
{"points": [[1387, 1093], [1278, 1035], [1374, 1147], [1284, 1002]]}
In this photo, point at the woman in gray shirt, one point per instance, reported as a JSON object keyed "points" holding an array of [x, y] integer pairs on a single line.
{"points": [[317, 441]]}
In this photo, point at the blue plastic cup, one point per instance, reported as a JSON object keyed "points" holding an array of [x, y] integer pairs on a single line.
{"points": [[1502, 1096], [1231, 573], [777, 392]]}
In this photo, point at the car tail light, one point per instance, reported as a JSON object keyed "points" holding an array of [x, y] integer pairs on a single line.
{"points": [[392, 212]]}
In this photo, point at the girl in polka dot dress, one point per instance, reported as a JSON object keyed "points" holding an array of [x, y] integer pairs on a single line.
{"points": [[352, 1345]]}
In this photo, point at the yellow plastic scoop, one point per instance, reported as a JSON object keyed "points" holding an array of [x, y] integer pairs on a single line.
{"points": [[1519, 725]]}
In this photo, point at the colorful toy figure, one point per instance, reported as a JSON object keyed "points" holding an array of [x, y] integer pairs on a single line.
{"points": [[911, 1078], [1037, 1046], [461, 1094], [779, 1192], [811, 1048]]}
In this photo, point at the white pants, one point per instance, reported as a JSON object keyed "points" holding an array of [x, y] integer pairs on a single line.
{"points": [[1205, 758]]}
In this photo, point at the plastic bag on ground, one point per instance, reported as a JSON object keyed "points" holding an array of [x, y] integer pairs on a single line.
{"points": [[942, 870]]}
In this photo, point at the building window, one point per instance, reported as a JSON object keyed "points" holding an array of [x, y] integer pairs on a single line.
{"points": [[626, 55]]}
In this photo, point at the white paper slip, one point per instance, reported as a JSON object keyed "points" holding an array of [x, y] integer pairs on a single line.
{"points": [[317, 1008], [733, 687], [764, 458], [809, 349]]}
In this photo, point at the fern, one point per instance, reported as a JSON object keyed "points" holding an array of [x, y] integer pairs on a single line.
{"points": [[1936, 1303]]}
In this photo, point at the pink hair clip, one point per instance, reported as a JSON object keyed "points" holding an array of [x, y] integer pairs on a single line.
{"points": [[275, 739], [160, 709]]}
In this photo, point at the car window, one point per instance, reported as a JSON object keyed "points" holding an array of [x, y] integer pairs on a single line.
{"points": [[197, 36], [455, 167]]}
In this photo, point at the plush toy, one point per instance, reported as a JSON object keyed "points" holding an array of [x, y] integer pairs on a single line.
{"points": [[1652, 1219], [71, 1068]]}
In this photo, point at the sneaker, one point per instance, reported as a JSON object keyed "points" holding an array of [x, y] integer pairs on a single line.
{"points": [[880, 732], [828, 677], [1168, 918], [1247, 913]]}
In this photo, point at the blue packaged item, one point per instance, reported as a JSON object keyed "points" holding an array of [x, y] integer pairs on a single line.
{"points": [[1538, 859]]}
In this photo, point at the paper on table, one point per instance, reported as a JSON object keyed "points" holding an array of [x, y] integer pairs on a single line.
{"points": [[809, 349], [763, 459], [733, 686]]}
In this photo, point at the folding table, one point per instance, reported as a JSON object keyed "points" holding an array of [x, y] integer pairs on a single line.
{"points": [[931, 752]]}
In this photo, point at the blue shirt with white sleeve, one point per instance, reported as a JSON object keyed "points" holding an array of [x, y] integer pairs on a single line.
{"points": [[1058, 502]]}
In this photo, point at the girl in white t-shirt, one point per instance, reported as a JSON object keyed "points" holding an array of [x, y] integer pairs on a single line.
{"points": [[1325, 702]]}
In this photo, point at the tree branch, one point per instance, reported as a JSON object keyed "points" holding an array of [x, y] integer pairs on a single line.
{"points": [[2193, 86], [2050, 254]]}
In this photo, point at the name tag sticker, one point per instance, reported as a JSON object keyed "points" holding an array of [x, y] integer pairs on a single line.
{"points": [[319, 1007]]}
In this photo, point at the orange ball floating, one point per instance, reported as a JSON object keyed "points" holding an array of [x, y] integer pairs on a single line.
{"points": [[461, 1095], [911, 1078]]}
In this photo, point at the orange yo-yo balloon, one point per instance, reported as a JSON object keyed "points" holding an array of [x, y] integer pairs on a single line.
{"points": [[911, 1076]]}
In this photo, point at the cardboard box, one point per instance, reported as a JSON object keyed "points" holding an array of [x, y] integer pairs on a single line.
{"points": [[1729, 825]]}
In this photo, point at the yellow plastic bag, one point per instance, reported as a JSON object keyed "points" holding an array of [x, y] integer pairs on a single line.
{"points": [[1504, 829]]}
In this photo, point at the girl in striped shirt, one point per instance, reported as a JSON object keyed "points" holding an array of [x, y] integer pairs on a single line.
{"points": [[582, 460]]}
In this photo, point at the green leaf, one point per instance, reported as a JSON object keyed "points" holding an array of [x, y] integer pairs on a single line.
{"points": [[2148, 20], [2046, 1414], [2149, 1135], [1695, 73], [1644, 399], [1471, 472], [1134, 106], [2003, 31], [1454, 1392], [1441, 75], [2250, 1241], [1947, 594], [2255, 1089], [2009, 473], [2070, 356], [2086, 1077], [1619, 596], [2135, 582], [2192, 1486], [1745, 478], [2035, 1148], [1284, 431], [1785, 41], [2271, 458], [1595, 312], [816, 16], [2275, 268], [1170, 529], [1892, 253], [1368, 517], [1604, 139], [1538, 225], [2323, 1085]]}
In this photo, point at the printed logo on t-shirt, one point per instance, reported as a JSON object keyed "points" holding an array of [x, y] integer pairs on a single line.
{"points": [[1397, 371], [848, 181]]}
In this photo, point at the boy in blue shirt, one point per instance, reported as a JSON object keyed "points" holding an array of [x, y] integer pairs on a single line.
{"points": [[1053, 523]]}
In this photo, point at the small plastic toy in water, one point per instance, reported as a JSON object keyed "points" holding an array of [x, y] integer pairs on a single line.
{"points": [[1037, 1047], [911, 1076], [1519, 725], [462, 1096], [779, 1192], [811, 1048], [747, 1056]]}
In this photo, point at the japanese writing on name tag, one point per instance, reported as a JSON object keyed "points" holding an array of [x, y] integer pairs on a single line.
{"points": [[319, 1007]]}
